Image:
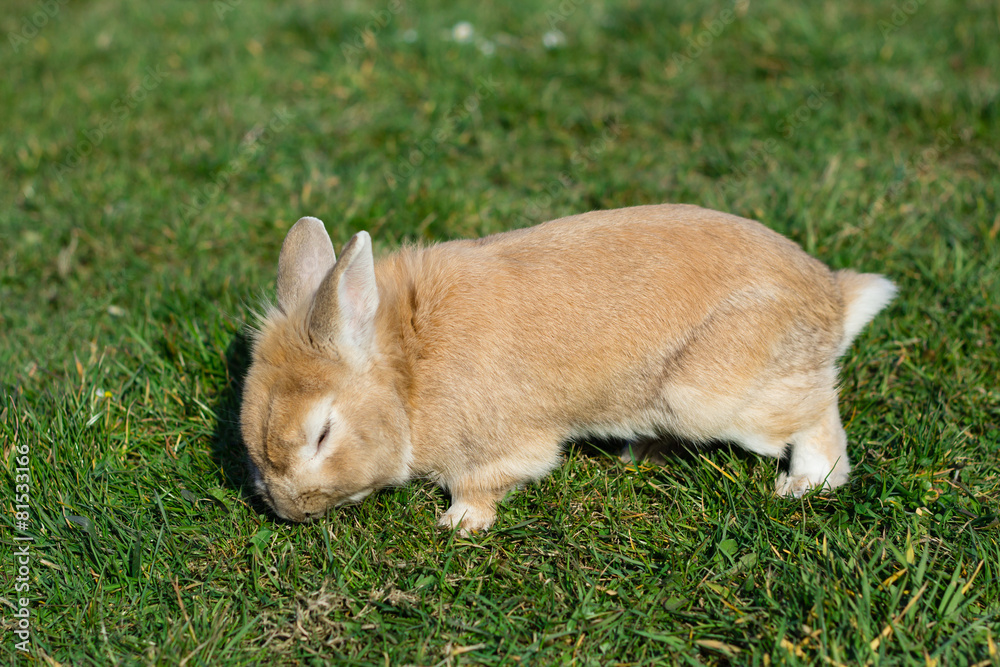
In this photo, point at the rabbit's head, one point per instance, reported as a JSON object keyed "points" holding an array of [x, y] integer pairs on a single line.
{"points": [[322, 418]]}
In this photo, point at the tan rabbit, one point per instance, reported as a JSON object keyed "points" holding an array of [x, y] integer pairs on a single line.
{"points": [[472, 362]]}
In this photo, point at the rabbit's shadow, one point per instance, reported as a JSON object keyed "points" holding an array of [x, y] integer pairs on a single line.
{"points": [[662, 450], [657, 450], [228, 451]]}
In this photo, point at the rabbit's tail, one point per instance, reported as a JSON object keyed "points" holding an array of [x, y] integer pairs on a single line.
{"points": [[865, 294]]}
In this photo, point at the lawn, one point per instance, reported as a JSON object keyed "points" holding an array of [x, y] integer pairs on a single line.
{"points": [[153, 156]]}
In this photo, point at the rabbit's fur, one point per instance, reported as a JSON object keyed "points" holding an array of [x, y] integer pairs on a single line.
{"points": [[472, 362]]}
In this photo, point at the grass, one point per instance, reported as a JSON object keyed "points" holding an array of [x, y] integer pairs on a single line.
{"points": [[154, 155]]}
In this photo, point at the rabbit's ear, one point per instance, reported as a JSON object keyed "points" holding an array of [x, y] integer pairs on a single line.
{"points": [[306, 257], [342, 318]]}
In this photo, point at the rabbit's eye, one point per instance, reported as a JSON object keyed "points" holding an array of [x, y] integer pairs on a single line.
{"points": [[322, 437]]}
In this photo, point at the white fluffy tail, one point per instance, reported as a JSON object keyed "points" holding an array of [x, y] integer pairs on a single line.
{"points": [[865, 294]]}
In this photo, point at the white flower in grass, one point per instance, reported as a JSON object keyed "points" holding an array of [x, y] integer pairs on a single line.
{"points": [[410, 36], [553, 39], [462, 32]]}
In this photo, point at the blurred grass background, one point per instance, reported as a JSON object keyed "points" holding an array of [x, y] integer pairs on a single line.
{"points": [[153, 157]]}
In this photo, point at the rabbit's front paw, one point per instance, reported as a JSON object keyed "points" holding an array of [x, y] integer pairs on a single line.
{"points": [[468, 518]]}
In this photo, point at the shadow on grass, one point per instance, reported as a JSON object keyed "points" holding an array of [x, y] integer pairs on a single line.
{"points": [[228, 451], [664, 450], [658, 450]]}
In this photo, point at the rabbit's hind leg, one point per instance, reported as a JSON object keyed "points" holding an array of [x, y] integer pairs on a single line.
{"points": [[818, 457]]}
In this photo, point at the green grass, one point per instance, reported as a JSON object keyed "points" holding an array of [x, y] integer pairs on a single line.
{"points": [[140, 226]]}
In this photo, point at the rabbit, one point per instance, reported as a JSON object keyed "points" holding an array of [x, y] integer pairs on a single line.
{"points": [[471, 362]]}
